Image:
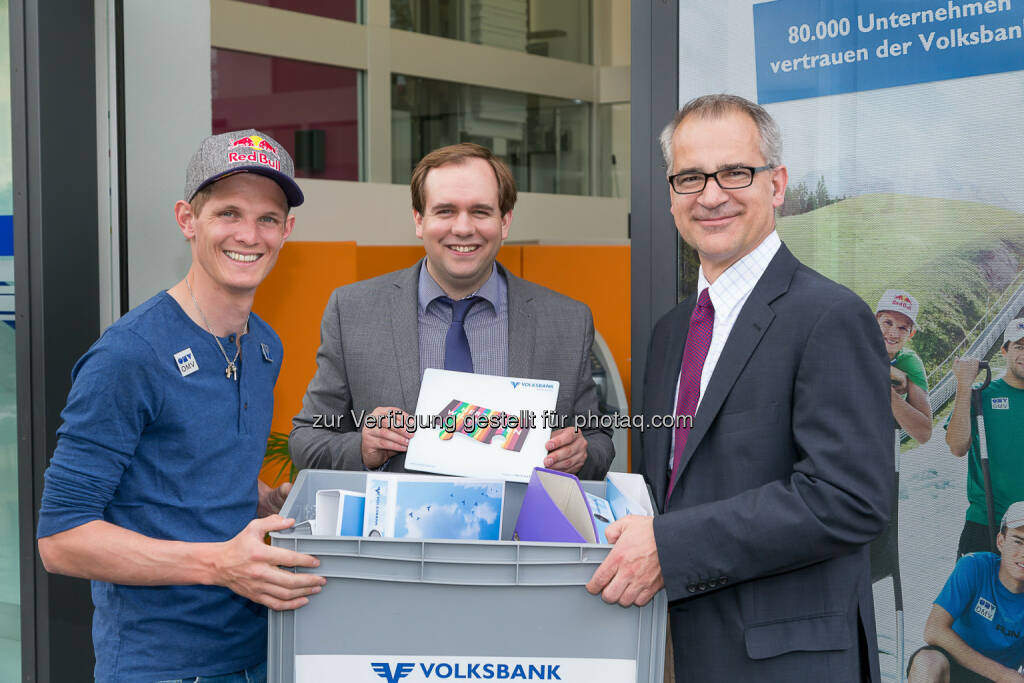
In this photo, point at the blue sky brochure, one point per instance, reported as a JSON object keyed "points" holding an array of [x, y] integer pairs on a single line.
{"points": [[424, 506]]}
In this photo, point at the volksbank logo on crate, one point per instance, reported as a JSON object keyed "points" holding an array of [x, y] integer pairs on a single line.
{"points": [[475, 670], [331, 668]]}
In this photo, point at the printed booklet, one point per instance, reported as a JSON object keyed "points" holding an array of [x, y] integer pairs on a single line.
{"points": [[422, 506], [481, 425], [557, 509]]}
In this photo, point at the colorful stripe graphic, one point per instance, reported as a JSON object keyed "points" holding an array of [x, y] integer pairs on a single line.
{"points": [[483, 424]]}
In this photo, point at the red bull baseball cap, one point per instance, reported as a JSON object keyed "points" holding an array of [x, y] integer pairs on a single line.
{"points": [[1014, 331], [899, 301], [242, 151]]}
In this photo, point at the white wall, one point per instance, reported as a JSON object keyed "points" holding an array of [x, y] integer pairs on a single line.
{"points": [[167, 113], [378, 213]]}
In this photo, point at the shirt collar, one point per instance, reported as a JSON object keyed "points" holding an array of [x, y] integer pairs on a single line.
{"points": [[429, 291], [734, 285]]}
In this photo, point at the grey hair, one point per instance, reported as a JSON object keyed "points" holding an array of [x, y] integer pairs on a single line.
{"points": [[716, 106]]}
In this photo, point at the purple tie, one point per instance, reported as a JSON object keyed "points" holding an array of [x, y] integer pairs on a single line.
{"points": [[698, 340]]}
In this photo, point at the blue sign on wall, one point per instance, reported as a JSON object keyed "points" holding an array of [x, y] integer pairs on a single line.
{"points": [[808, 48], [6, 235]]}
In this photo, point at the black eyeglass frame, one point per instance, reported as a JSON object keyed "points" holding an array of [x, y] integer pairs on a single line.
{"points": [[753, 171]]}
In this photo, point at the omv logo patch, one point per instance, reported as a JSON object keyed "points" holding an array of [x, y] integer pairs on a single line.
{"points": [[186, 361]]}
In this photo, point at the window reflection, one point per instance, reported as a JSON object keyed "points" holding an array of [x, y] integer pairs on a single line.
{"points": [[311, 109], [550, 28], [544, 140]]}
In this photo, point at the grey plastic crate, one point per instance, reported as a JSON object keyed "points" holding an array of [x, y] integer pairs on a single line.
{"points": [[403, 598]]}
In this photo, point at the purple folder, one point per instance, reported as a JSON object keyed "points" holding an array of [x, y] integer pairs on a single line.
{"points": [[555, 509]]}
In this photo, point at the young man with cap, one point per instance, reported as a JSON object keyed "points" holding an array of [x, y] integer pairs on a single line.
{"points": [[975, 631], [896, 314], [152, 491], [456, 309], [1002, 404]]}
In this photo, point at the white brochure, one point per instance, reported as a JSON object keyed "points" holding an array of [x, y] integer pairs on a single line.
{"points": [[482, 425]]}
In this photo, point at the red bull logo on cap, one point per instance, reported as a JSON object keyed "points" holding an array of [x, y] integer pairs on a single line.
{"points": [[260, 147], [902, 301], [255, 142]]}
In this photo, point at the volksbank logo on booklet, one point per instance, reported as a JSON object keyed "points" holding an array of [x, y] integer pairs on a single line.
{"points": [[550, 386], [374, 669]]}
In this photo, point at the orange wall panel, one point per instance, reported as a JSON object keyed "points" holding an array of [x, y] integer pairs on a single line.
{"points": [[292, 301], [599, 277], [372, 261]]}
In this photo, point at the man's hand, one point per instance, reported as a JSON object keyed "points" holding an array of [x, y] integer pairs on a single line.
{"points": [[251, 568], [567, 450], [270, 499], [387, 438], [1010, 676], [898, 379], [965, 370], [631, 574]]}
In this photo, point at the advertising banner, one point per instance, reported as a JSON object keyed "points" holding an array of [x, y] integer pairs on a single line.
{"points": [[901, 124]]}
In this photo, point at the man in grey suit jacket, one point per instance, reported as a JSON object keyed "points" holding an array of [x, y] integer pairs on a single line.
{"points": [[771, 499], [379, 335]]}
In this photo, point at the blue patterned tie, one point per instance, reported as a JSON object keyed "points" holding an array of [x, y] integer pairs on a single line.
{"points": [[456, 343]]}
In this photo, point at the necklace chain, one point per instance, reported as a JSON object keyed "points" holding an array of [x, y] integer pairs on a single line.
{"points": [[231, 371]]}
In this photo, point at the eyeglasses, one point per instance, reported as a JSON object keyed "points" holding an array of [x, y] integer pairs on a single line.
{"points": [[692, 182]]}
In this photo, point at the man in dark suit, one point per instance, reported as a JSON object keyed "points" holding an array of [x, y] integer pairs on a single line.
{"points": [[456, 309], [770, 499]]}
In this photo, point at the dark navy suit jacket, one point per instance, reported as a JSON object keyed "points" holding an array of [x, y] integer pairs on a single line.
{"points": [[786, 477]]}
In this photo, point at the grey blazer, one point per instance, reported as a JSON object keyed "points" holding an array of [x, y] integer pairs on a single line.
{"points": [[785, 479], [369, 357]]}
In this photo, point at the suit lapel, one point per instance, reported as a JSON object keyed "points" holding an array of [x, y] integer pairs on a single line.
{"points": [[662, 399], [522, 329], [753, 321], [404, 300]]}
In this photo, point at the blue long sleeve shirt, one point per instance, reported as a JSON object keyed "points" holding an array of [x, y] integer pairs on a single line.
{"points": [[157, 440]]}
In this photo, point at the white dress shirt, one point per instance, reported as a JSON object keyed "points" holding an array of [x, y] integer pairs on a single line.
{"points": [[728, 293]]}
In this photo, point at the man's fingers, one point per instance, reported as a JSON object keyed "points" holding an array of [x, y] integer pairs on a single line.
{"points": [[561, 437], [264, 525], [614, 530], [615, 589], [602, 575], [281, 605], [567, 450], [381, 442], [289, 558], [281, 585]]}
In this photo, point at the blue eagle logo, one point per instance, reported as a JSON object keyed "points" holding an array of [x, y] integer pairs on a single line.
{"points": [[383, 670]]}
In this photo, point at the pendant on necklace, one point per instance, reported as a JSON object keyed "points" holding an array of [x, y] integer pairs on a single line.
{"points": [[231, 372]]}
